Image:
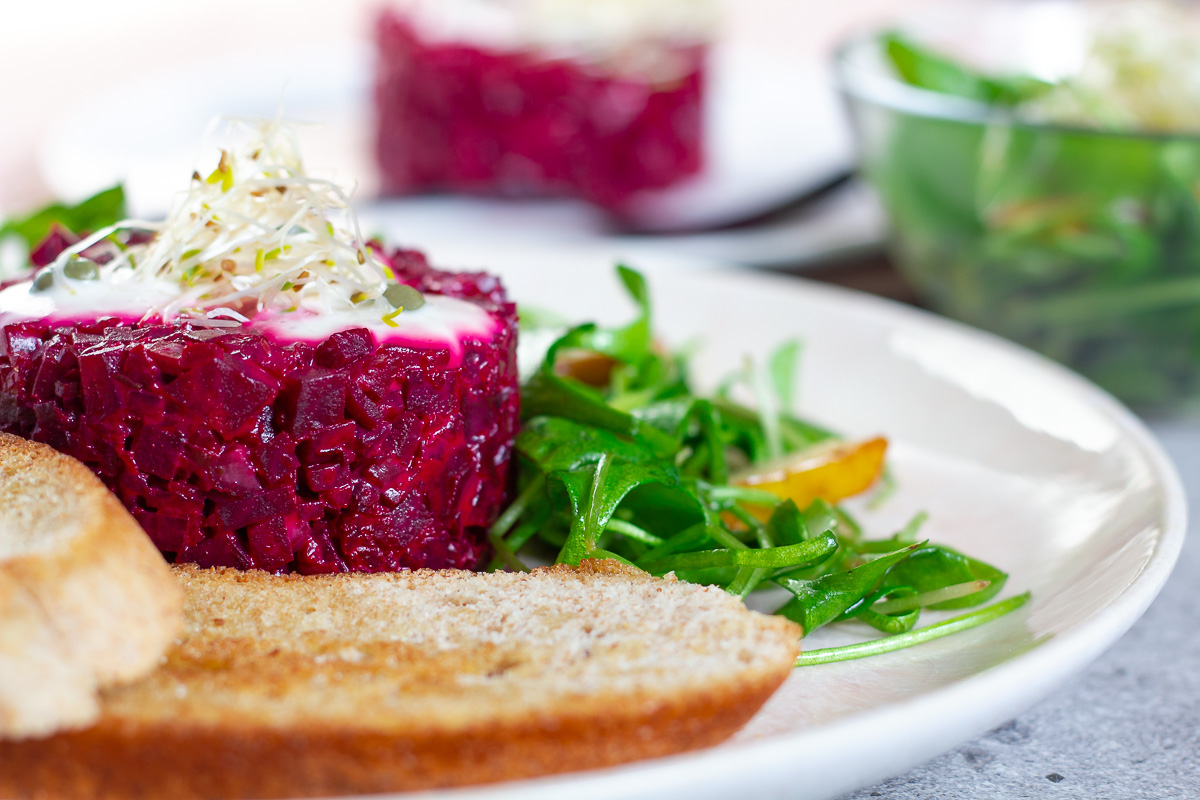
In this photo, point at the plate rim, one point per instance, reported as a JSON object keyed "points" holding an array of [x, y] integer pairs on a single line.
{"points": [[1053, 662]]}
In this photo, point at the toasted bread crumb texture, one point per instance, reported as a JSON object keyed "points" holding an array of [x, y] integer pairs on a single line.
{"points": [[85, 598], [361, 683]]}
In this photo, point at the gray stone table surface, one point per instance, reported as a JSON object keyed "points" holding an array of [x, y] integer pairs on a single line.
{"points": [[1127, 728]]}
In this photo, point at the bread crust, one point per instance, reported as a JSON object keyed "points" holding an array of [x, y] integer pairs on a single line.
{"points": [[86, 600], [139, 752], [161, 760]]}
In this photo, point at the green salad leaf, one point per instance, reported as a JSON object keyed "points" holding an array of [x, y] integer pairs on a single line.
{"points": [[923, 67], [1080, 239], [101, 209], [637, 468]]}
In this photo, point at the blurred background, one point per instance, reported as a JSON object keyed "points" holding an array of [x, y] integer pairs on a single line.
{"points": [[60, 52], [1032, 168], [1026, 166]]}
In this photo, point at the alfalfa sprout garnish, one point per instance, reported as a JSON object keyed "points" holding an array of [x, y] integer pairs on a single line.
{"points": [[256, 234]]}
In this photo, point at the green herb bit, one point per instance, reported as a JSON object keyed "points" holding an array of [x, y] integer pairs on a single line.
{"points": [[889, 644], [403, 296], [44, 280], [81, 269]]}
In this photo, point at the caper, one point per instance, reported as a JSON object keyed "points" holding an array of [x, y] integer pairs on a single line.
{"points": [[401, 295], [44, 280], [81, 270]]}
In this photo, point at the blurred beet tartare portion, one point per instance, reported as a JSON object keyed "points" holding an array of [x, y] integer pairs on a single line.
{"points": [[598, 100], [262, 387]]}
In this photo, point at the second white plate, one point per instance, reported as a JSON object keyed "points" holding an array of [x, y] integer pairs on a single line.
{"points": [[773, 132]]}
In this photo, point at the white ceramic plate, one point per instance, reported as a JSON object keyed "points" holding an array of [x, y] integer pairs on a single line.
{"points": [[775, 132], [1017, 461]]}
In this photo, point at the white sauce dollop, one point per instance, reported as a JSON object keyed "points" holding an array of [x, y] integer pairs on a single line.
{"points": [[443, 322]]}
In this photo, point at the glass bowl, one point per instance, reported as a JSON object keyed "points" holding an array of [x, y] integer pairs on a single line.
{"points": [[1082, 243]]}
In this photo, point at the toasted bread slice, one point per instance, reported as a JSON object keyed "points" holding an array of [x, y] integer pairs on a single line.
{"points": [[346, 684], [86, 600]]}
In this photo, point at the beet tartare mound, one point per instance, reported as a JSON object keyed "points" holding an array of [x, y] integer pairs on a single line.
{"points": [[595, 100], [317, 421]]}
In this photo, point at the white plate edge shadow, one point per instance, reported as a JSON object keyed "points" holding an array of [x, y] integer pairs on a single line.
{"points": [[1036, 673]]}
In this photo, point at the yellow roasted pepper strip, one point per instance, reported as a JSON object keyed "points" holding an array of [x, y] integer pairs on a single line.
{"points": [[830, 471]]}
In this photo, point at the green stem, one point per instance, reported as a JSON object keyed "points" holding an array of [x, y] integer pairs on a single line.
{"points": [[746, 518], [927, 634], [718, 470], [930, 598], [768, 415], [511, 514], [505, 557], [746, 581], [748, 578], [632, 531], [745, 494]]}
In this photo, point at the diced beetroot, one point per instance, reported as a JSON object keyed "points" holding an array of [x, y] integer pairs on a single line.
{"points": [[233, 448], [257, 507], [233, 473], [57, 240], [469, 118], [344, 347], [170, 534], [320, 400], [269, 544], [232, 392], [319, 556], [158, 452], [222, 550], [277, 460]]}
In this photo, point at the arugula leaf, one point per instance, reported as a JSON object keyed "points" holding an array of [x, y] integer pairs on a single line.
{"points": [[829, 597], [630, 343], [786, 525], [891, 624], [597, 468], [102, 208], [638, 470], [548, 394], [767, 557], [935, 567]]}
